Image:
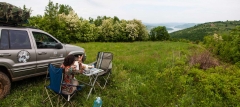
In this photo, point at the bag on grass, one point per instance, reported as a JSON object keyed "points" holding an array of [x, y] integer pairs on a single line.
{"points": [[10, 14]]}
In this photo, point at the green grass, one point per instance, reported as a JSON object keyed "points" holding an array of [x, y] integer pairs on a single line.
{"points": [[144, 74]]}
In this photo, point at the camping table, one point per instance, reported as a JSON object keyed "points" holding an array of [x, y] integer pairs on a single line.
{"points": [[93, 75]]}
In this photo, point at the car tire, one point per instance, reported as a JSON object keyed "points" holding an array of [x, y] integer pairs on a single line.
{"points": [[5, 85]]}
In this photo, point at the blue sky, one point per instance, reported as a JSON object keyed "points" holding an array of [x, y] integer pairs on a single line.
{"points": [[149, 11]]}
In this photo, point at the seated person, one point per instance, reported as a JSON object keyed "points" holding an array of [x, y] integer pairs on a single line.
{"points": [[69, 72]]}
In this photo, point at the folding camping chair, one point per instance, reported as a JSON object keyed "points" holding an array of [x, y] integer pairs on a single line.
{"points": [[102, 70], [104, 62], [55, 75]]}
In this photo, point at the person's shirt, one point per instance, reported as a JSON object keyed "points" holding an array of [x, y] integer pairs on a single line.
{"points": [[68, 76]]}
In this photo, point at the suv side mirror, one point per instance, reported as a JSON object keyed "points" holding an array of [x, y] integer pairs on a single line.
{"points": [[58, 46]]}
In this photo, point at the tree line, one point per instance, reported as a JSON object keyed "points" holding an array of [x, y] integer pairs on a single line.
{"points": [[62, 22]]}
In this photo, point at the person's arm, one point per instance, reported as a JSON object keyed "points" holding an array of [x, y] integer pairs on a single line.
{"points": [[72, 70], [81, 66]]}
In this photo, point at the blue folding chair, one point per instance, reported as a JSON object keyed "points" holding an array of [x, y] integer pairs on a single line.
{"points": [[55, 75]]}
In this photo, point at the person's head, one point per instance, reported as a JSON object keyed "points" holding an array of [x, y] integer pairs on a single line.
{"points": [[69, 60]]}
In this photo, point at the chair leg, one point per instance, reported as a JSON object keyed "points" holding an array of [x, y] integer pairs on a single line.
{"points": [[49, 97], [106, 80], [89, 92], [64, 104], [68, 100], [58, 101]]}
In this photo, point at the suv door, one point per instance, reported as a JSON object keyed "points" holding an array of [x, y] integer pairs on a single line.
{"points": [[46, 51], [16, 51]]}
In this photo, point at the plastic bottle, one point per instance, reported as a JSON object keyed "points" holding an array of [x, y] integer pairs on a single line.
{"points": [[97, 102]]}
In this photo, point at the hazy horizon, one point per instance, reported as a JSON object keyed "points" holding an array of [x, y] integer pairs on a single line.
{"points": [[151, 11]]}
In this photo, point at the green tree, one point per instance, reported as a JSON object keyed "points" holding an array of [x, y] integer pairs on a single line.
{"points": [[115, 19], [50, 18], [71, 25], [159, 33], [64, 9], [88, 31], [142, 31], [106, 33], [123, 34]]}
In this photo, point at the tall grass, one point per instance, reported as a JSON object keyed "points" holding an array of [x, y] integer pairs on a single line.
{"points": [[144, 74]]}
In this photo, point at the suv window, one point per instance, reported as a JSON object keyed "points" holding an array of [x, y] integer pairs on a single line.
{"points": [[4, 42], [44, 41], [15, 39]]}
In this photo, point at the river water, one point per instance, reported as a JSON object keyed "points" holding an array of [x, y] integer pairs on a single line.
{"points": [[174, 29]]}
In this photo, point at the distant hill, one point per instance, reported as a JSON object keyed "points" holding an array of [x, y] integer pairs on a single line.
{"points": [[169, 28], [187, 25], [164, 24], [198, 31]]}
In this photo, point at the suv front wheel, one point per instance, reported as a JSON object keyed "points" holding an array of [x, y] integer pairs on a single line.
{"points": [[5, 85]]}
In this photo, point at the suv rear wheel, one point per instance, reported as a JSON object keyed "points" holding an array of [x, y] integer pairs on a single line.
{"points": [[5, 85]]}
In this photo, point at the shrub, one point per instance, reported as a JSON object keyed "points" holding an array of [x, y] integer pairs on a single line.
{"points": [[204, 59], [226, 46]]}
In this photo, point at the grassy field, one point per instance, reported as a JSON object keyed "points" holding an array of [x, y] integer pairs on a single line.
{"points": [[144, 74]]}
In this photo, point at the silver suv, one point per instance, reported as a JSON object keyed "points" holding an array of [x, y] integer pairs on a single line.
{"points": [[26, 52]]}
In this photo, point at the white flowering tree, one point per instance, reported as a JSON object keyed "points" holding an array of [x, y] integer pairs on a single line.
{"points": [[88, 32], [132, 30], [62, 22], [70, 23], [72, 20], [142, 30], [106, 30]]}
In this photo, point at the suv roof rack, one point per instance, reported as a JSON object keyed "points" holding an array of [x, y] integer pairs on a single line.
{"points": [[9, 24], [16, 25]]}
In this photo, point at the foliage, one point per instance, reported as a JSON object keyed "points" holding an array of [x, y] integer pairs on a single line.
{"points": [[159, 33], [63, 23], [227, 46], [180, 40], [141, 29], [194, 87], [203, 59], [198, 32]]}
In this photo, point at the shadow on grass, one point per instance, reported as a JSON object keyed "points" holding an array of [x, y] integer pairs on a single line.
{"points": [[25, 82], [27, 85]]}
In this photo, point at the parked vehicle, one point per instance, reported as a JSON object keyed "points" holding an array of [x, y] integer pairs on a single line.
{"points": [[26, 52]]}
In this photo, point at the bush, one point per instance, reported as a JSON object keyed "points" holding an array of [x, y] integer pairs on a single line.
{"points": [[204, 59], [190, 86], [226, 46]]}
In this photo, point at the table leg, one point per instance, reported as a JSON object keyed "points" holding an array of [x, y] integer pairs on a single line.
{"points": [[92, 86]]}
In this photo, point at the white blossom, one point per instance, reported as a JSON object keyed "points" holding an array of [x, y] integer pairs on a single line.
{"points": [[71, 19], [217, 37]]}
